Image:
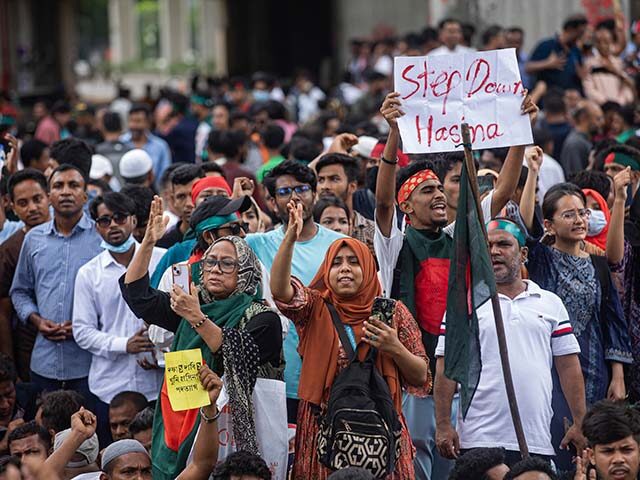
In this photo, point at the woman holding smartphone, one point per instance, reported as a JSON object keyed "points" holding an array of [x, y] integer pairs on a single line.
{"points": [[348, 280]]}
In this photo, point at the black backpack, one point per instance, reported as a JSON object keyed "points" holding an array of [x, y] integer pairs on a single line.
{"points": [[360, 427]]}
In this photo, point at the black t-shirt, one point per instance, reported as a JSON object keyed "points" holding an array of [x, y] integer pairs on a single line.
{"points": [[153, 306], [170, 238]]}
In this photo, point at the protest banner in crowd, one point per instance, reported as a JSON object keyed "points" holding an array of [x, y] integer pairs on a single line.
{"points": [[438, 93]]}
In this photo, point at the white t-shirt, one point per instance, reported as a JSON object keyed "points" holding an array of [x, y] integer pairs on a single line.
{"points": [[388, 248], [537, 329], [444, 50]]}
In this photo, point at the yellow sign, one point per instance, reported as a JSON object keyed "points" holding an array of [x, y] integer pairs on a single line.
{"points": [[183, 380]]}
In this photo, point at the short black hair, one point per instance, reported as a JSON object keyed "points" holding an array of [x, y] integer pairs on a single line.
{"points": [[593, 179], [531, 464], [74, 152], [349, 164], [300, 172], [224, 142], [7, 369], [138, 400], [272, 136], [186, 173], [26, 174], [65, 167], [101, 184], [58, 407], [140, 108], [444, 163], [142, 421], [28, 429], [475, 463], [212, 167], [555, 193], [165, 178], [515, 30], [444, 21], [490, 33], [351, 473], [542, 136], [142, 198], [114, 201], [112, 122], [329, 201], [553, 102], [242, 463], [303, 149], [406, 172], [31, 151], [574, 21], [608, 421]]}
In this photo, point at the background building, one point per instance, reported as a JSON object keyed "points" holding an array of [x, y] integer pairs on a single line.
{"points": [[50, 45]]}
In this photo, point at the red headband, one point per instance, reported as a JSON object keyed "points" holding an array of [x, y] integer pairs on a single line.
{"points": [[412, 183], [208, 182], [609, 158]]}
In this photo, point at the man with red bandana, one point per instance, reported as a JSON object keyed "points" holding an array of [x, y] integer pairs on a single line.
{"points": [[414, 263]]}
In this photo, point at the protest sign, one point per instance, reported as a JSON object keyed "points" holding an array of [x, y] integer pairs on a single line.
{"points": [[183, 380], [440, 92]]}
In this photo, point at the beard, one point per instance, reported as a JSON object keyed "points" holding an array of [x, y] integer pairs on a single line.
{"points": [[511, 273]]}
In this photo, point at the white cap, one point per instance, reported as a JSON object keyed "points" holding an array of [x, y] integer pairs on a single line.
{"points": [[100, 166], [135, 163], [365, 145]]}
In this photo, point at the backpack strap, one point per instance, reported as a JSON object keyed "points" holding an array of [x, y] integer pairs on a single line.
{"points": [[342, 333]]}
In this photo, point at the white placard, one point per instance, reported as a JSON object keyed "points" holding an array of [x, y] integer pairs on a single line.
{"points": [[439, 93]]}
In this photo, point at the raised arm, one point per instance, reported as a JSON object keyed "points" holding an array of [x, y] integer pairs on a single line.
{"points": [[205, 448], [615, 236], [386, 181], [510, 173], [533, 156], [139, 266], [281, 288], [83, 427]]}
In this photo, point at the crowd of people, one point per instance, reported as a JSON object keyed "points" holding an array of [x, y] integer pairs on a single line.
{"points": [[280, 230]]}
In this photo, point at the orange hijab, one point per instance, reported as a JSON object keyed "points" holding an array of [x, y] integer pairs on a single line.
{"points": [[599, 240], [319, 343]]}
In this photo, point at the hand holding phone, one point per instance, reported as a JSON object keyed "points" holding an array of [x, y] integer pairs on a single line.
{"points": [[182, 276], [383, 309]]}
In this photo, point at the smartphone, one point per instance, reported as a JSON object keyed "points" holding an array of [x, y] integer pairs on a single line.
{"points": [[383, 309], [182, 276], [629, 200]]}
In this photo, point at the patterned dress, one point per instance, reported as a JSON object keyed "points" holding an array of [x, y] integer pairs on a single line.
{"points": [[307, 466], [602, 340]]}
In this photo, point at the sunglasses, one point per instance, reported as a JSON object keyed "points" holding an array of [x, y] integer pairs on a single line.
{"points": [[118, 217], [301, 190], [234, 228]]}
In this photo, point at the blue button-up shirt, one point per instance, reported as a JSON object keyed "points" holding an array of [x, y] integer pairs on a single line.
{"points": [[157, 149], [43, 284]]}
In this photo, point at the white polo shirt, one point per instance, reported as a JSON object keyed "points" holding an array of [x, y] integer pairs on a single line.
{"points": [[537, 329]]}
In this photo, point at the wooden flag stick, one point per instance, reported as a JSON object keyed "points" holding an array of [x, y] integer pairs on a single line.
{"points": [[495, 303]]}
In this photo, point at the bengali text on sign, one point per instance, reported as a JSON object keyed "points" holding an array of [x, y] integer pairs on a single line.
{"points": [[183, 380]]}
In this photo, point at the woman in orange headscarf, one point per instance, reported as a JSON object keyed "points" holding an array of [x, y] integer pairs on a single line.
{"points": [[348, 280]]}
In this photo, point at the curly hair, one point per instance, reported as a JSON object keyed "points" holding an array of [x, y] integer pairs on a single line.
{"points": [[531, 464], [475, 463]]}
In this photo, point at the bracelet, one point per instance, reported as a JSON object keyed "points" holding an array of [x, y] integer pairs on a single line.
{"points": [[388, 162], [209, 419], [200, 323]]}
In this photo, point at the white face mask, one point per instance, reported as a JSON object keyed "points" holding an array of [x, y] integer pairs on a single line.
{"points": [[597, 222]]}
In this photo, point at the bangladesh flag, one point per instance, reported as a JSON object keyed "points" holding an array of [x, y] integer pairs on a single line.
{"points": [[471, 284]]}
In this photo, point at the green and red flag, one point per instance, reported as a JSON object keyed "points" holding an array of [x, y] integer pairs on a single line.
{"points": [[471, 284]]}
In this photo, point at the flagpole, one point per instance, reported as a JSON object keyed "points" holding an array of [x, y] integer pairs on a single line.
{"points": [[495, 303]]}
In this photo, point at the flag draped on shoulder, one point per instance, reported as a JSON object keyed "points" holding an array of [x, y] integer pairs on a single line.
{"points": [[471, 284]]}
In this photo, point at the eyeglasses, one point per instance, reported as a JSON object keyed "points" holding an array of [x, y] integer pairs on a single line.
{"points": [[119, 217], [572, 215], [285, 192], [225, 264]]}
